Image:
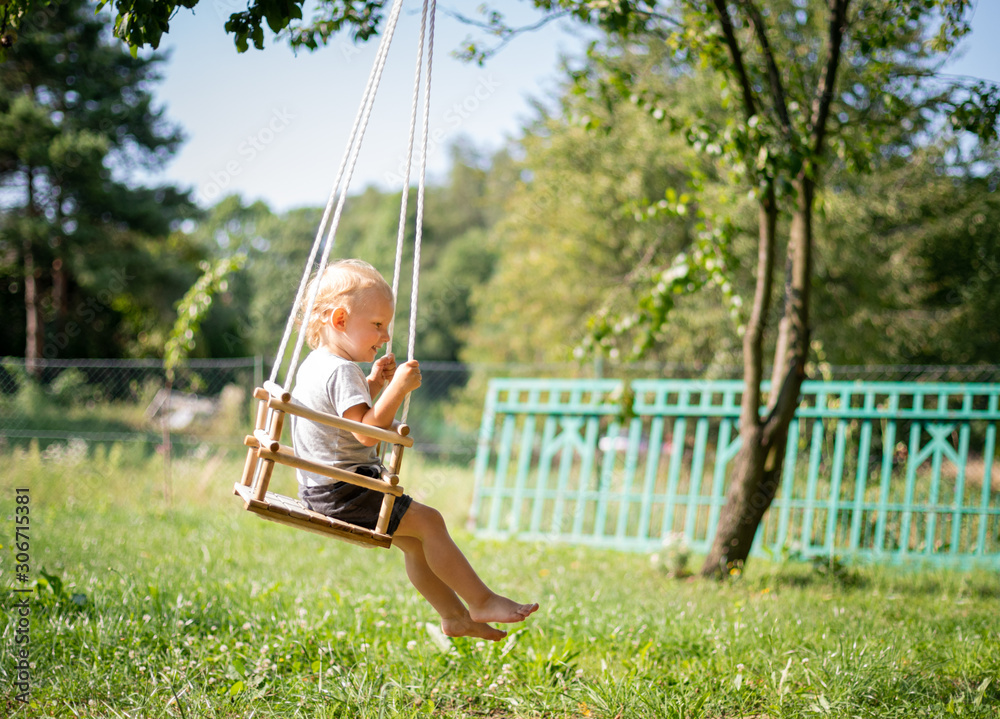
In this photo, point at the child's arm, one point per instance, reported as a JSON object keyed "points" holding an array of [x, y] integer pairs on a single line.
{"points": [[405, 380]]}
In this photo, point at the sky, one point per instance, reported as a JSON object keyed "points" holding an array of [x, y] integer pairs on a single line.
{"points": [[273, 125]]}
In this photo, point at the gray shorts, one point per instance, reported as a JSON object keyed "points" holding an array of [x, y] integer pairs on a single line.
{"points": [[353, 504]]}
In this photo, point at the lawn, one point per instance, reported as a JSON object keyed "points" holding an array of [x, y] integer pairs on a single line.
{"points": [[197, 609]]}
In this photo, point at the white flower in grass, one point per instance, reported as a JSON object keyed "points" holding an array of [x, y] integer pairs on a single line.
{"points": [[411, 645]]}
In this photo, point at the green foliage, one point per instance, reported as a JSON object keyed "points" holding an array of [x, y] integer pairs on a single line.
{"points": [[758, 121], [76, 119], [696, 227], [141, 23], [454, 259], [194, 306], [609, 217], [72, 387], [709, 265], [908, 265]]}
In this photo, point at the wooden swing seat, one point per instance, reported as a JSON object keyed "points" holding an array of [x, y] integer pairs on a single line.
{"points": [[292, 513], [265, 450]]}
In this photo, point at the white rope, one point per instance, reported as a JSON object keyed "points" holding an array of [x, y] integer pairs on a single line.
{"points": [[401, 233], [419, 232], [367, 104], [373, 77]]}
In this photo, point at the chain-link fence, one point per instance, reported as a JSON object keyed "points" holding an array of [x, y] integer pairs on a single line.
{"points": [[53, 401]]}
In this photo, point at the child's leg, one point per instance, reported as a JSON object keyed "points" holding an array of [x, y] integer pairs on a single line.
{"points": [[455, 619], [446, 561]]}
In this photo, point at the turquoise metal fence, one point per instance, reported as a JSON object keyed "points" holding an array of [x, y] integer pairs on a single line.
{"points": [[887, 471]]}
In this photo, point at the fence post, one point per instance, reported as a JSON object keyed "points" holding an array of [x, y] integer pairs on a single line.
{"points": [[258, 370]]}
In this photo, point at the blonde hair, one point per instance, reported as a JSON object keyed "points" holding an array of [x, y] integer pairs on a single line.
{"points": [[344, 283]]}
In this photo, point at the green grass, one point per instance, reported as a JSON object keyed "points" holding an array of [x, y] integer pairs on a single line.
{"points": [[198, 609]]}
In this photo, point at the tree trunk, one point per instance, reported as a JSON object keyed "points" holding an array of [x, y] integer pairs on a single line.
{"points": [[757, 466], [756, 470], [34, 327], [736, 526]]}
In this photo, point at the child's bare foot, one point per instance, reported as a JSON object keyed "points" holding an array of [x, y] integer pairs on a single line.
{"points": [[466, 627], [501, 609]]}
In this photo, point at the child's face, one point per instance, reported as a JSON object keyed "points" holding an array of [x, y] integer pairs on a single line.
{"points": [[364, 329]]}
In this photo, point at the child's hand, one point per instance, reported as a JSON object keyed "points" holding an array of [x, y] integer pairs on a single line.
{"points": [[408, 376], [381, 373]]}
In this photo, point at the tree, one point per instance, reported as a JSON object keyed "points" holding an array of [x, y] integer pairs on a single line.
{"points": [[790, 121], [78, 236], [806, 89]]}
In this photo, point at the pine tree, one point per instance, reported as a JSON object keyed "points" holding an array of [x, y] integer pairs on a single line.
{"points": [[77, 121]]}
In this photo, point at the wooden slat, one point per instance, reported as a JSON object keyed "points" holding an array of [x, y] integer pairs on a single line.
{"points": [[297, 512], [266, 441], [395, 461], [249, 467], [261, 421], [384, 435], [388, 477], [276, 391], [272, 505], [385, 514], [286, 456], [316, 523], [264, 477]]}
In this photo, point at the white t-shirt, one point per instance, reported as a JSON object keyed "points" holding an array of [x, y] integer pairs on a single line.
{"points": [[331, 384]]}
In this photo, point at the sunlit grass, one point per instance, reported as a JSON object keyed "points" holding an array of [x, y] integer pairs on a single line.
{"points": [[197, 609]]}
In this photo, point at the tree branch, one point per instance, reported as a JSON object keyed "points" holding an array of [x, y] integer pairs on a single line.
{"points": [[496, 27], [753, 341], [501, 30], [774, 77], [824, 91], [749, 106]]}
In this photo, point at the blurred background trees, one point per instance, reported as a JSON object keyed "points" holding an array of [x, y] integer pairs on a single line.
{"points": [[85, 253], [521, 246]]}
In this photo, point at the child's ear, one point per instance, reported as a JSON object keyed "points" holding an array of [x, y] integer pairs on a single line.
{"points": [[338, 318]]}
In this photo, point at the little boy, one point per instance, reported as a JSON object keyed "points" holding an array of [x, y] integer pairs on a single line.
{"points": [[349, 323]]}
